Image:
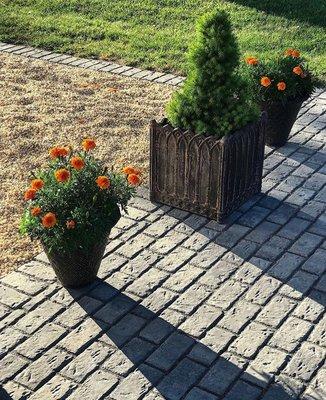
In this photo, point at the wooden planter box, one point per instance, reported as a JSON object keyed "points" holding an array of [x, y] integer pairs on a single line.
{"points": [[204, 175]]}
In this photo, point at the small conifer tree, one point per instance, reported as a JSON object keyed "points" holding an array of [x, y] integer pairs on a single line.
{"points": [[214, 99]]}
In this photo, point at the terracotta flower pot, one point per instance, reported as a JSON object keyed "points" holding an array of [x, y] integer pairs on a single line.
{"points": [[203, 174], [281, 117], [80, 267]]}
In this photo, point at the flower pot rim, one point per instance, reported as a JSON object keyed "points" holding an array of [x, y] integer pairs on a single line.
{"points": [[165, 122], [288, 100]]}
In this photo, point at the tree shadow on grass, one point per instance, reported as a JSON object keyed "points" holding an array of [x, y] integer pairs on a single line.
{"points": [[312, 12], [175, 364]]}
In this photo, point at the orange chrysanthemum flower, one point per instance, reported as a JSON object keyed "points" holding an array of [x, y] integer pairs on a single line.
{"points": [[35, 211], [295, 53], [103, 182], [64, 151], [49, 220], [252, 61], [133, 179], [30, 194], [70, 224], [77, 162], [265, 81], [281, 86], [88, 144], [288, 52], [297, 70], [130, 170], [62, 175], [37, 184], [56, 152]]}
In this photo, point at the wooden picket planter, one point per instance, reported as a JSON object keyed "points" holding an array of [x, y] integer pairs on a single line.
{"points": [[204, 175]]}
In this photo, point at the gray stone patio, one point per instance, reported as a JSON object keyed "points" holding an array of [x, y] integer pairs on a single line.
{"points": [[185, 308]]}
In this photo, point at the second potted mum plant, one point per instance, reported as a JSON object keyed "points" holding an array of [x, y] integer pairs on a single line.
{"points": [[280, 86], [71, 207], [207, 157]]}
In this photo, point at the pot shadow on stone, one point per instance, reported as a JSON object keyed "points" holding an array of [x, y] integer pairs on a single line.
{"points": [[298, 154], [4, 394], [247, 236], [173, 363]]}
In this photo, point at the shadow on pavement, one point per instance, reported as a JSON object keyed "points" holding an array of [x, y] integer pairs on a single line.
{"points": [[275, 247], [176, 364]]}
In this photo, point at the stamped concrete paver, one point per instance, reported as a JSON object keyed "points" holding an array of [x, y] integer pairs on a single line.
{"points": [[185, 308]]}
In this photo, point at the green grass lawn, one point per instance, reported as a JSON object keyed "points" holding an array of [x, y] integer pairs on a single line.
{"points": [[155, 34]]}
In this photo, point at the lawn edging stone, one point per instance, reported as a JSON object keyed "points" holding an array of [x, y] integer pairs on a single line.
{"points": [[93, 64]]}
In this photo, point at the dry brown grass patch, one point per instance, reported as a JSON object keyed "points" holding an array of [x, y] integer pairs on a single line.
{"points": [[43, 105]]}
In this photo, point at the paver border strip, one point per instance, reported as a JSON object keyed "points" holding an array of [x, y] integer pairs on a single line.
{"points": [[93, 64]]}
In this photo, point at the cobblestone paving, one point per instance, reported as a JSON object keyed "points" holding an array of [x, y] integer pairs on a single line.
{"points": [[184, 307]]}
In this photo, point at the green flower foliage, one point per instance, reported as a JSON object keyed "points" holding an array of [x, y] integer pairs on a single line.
{"points": [[214, 99], [280, 69], [93, 210]]}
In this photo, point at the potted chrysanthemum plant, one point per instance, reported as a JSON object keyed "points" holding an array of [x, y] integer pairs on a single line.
{"points": [[71, 206], [207, 156], [280, 86]]}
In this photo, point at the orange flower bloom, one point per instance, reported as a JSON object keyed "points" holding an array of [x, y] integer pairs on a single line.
{"points": [[63, 151], [251, 60], [70, 224], [30, 194], [103, 182], [62, 175], [56, 152], [37, 184], [88, 144], [297, 70], [288, 52], [49, 220], [295, 54], [35, 211], [265, 81], [130, 170], [281, 86], [77, 162], [133, 179]]}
